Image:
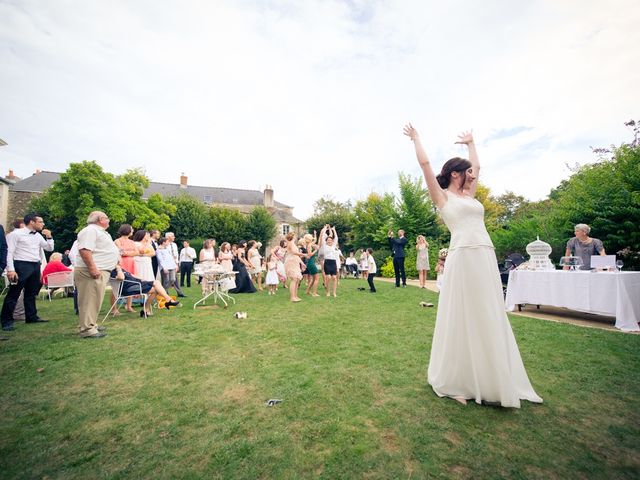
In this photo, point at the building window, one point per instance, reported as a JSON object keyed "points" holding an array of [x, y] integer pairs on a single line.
{"points": [[208, 199], [285, 228]]}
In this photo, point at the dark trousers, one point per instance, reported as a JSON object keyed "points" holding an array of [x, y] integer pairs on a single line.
{"points": [[185, 269], [398, 268], [370, 278], [29, 281]]}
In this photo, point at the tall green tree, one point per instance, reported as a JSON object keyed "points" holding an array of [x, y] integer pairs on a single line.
{"points": [[85, 187], [415, 213], [191, 218], [373, 218], [226, 225], [260, 226]]}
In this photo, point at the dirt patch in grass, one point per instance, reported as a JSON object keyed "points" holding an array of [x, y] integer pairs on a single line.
{"points": [[389, 441], [239, 393]]}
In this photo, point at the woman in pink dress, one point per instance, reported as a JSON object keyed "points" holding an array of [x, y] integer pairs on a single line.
{"points": [[128, 253], [293, 266]]}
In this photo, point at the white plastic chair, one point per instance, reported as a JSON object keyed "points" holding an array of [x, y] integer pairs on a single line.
{"points": [[117, 287], [58, 280]]}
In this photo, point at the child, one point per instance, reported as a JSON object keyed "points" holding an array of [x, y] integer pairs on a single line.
{"points": [[364, 262], [272, 274], [371, 270], [442, 256]]}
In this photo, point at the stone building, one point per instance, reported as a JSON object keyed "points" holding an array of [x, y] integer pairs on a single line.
{"points": [[22, 191]]}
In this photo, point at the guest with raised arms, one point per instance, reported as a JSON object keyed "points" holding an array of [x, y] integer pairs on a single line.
{"points": [[329, 245]]}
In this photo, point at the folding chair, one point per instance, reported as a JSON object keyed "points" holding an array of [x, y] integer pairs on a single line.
{"points": [[58, 280], [117, 286]]}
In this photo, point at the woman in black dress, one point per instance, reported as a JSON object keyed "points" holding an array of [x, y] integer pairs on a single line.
{"points": [[240, 265]]}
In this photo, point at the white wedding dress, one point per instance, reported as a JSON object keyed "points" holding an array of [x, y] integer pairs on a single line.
{"points": [[474, 354]]}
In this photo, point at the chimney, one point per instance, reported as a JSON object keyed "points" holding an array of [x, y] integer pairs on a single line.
{"points": [[11, 176], [268, 196], [37, 171], [183, 180]]}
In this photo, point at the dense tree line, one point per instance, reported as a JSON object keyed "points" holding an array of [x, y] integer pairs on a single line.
{"points": [[85, 187]]}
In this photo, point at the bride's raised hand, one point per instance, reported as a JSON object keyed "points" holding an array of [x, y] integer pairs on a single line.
{"points": [[465, 137], [410, 131]]}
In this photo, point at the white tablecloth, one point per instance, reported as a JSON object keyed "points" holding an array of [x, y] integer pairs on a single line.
{"points": [[606, 293]]}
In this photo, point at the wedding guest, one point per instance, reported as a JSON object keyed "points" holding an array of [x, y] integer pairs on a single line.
{"points": [[255, 259], [352, 264], [364, 263], [66, 260], [23, 268], [474, 354], [97, 256], [225, 257], [241, 265], [128, 253], [397, 249], [280, 252], [293, 266], [372, 269], [127, 247], [187, 257], [207, 254], [173, 248], [133, 285], [313, 273], [3, 258], [154, 235], [55, 265], [272, 276], [166, 263], [142, 261], [330, 244], [442, 256], [422, 259], [583, 246]]}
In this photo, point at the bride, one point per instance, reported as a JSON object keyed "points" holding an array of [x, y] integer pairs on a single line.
{"points": [[474, 355]]}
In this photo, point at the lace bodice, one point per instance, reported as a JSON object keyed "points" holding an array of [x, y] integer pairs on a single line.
{"points": [[464, 217]]}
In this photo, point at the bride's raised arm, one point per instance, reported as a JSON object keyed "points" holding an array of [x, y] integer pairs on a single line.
{"points": [[436, 193], [466, 138]]}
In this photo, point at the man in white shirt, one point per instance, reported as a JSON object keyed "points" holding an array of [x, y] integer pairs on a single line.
{"points": [[187, 256], [171, 240], [166, 263], [23, 268], [98, 255]]}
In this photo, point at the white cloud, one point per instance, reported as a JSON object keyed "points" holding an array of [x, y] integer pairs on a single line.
{"points": [[310, 97]]}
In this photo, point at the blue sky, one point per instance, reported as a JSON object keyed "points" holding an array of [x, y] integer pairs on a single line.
{"points": [[311, 96]]}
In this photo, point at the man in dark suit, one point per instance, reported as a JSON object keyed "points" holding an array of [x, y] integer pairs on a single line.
{"points": [[397, 249], [3, 257], [155, 235]]}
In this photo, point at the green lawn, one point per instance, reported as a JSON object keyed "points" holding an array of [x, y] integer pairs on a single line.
{"points": [[182, 395]]}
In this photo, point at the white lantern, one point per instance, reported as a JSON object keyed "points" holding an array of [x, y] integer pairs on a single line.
{"points": [[539, 252]]}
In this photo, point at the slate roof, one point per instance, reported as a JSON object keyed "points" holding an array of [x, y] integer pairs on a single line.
{"points": [[39, 182]]}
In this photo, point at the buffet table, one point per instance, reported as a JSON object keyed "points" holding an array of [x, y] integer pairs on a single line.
{"points": [[615, 294]]}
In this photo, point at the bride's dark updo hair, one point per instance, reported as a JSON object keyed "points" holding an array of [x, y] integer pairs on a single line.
{"points": [[455, 164]]}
